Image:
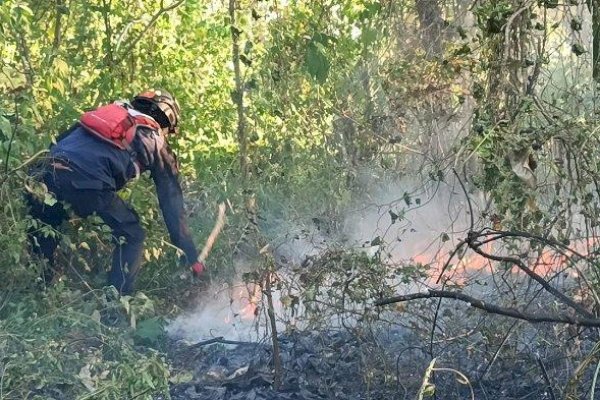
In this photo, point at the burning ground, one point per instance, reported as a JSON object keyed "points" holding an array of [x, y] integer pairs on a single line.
{"points": [[335, 342], [494, 357]]}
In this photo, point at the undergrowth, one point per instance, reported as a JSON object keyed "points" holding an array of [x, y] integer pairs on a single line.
{"points": [[78, 339]]}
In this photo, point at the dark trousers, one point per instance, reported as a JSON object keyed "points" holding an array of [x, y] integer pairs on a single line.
{"points": [[86, 198]]}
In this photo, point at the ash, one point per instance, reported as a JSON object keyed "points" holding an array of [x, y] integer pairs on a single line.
{"points": [[317, 365], [389, 364]]}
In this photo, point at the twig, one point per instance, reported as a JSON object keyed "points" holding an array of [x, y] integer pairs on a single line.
{"points": [[546, 377], [593, 390], [575, 380], [435, 318], [87, 285], [462, 242], [12, 136], [238, 98], [462, 185], [507, 29], [278, 376], [493, 308], [152, 21], [27, 162], [465, 380], [456, 250], [497, 352], [549, 288], [143, 392], [542, 110], [398, 366], [526, 235], [57, 26]]}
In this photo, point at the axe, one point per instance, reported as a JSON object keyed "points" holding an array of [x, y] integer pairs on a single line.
{"points": [[198, 267]]}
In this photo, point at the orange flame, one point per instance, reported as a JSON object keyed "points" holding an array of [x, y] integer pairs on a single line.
{"points": [[245, 302], [548, 263]]}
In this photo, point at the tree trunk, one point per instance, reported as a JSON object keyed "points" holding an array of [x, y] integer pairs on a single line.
{"points": [[431, 26]]}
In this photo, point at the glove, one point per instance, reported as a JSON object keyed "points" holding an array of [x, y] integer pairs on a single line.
{"points": [[198, 269]]}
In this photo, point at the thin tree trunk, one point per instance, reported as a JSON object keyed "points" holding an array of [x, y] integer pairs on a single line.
{"points": [[596, 39], [238, 95], [431, 26], [57, 27], [109, 59], [278, 376], [251, 206]]}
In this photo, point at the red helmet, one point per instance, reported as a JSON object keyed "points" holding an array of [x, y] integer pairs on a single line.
{"points": [[161, 106]]}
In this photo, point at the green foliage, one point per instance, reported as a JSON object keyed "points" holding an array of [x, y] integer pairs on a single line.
{"points": [[59, 59], [61, 342], [328, 90], [493, 15], [341, 287]]}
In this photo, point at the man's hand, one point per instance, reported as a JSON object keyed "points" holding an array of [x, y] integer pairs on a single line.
{"points": [[198, 269]]}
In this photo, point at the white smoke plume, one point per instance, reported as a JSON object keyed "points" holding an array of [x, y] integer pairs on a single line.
{"points": [[432, 220]]}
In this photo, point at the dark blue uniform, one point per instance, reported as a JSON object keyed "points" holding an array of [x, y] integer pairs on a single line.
{"points": [[86, 172]]}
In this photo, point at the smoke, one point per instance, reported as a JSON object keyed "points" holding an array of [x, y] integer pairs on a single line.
{"points": [[403, 218], [221, 310], [403, 222]]}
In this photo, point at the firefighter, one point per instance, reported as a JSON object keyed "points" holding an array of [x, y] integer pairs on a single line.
{"points": [[93, 160]]}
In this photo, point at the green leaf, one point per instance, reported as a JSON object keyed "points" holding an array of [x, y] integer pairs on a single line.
{"points": [[24, 8], [150, 331], [317, 63], [5, 127], [368, 36], [429, 390], [62, 9], [370, 11], [49, 199], [61, 67]]}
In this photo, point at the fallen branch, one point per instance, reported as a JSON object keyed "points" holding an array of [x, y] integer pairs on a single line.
{"points": [[219, 340], [493, 308]]}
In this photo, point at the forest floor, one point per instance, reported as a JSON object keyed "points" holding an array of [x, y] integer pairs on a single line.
{"points": [[340, 365]]}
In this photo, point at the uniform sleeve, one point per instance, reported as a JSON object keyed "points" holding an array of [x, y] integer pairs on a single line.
{"points": [[154, 154]]}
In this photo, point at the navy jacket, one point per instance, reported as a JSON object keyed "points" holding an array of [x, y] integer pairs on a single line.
{"points": [[107, 167]]}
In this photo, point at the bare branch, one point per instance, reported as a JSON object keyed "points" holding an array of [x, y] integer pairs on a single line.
{"points": [[515, 261], [499, 234], [494, 309]]}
